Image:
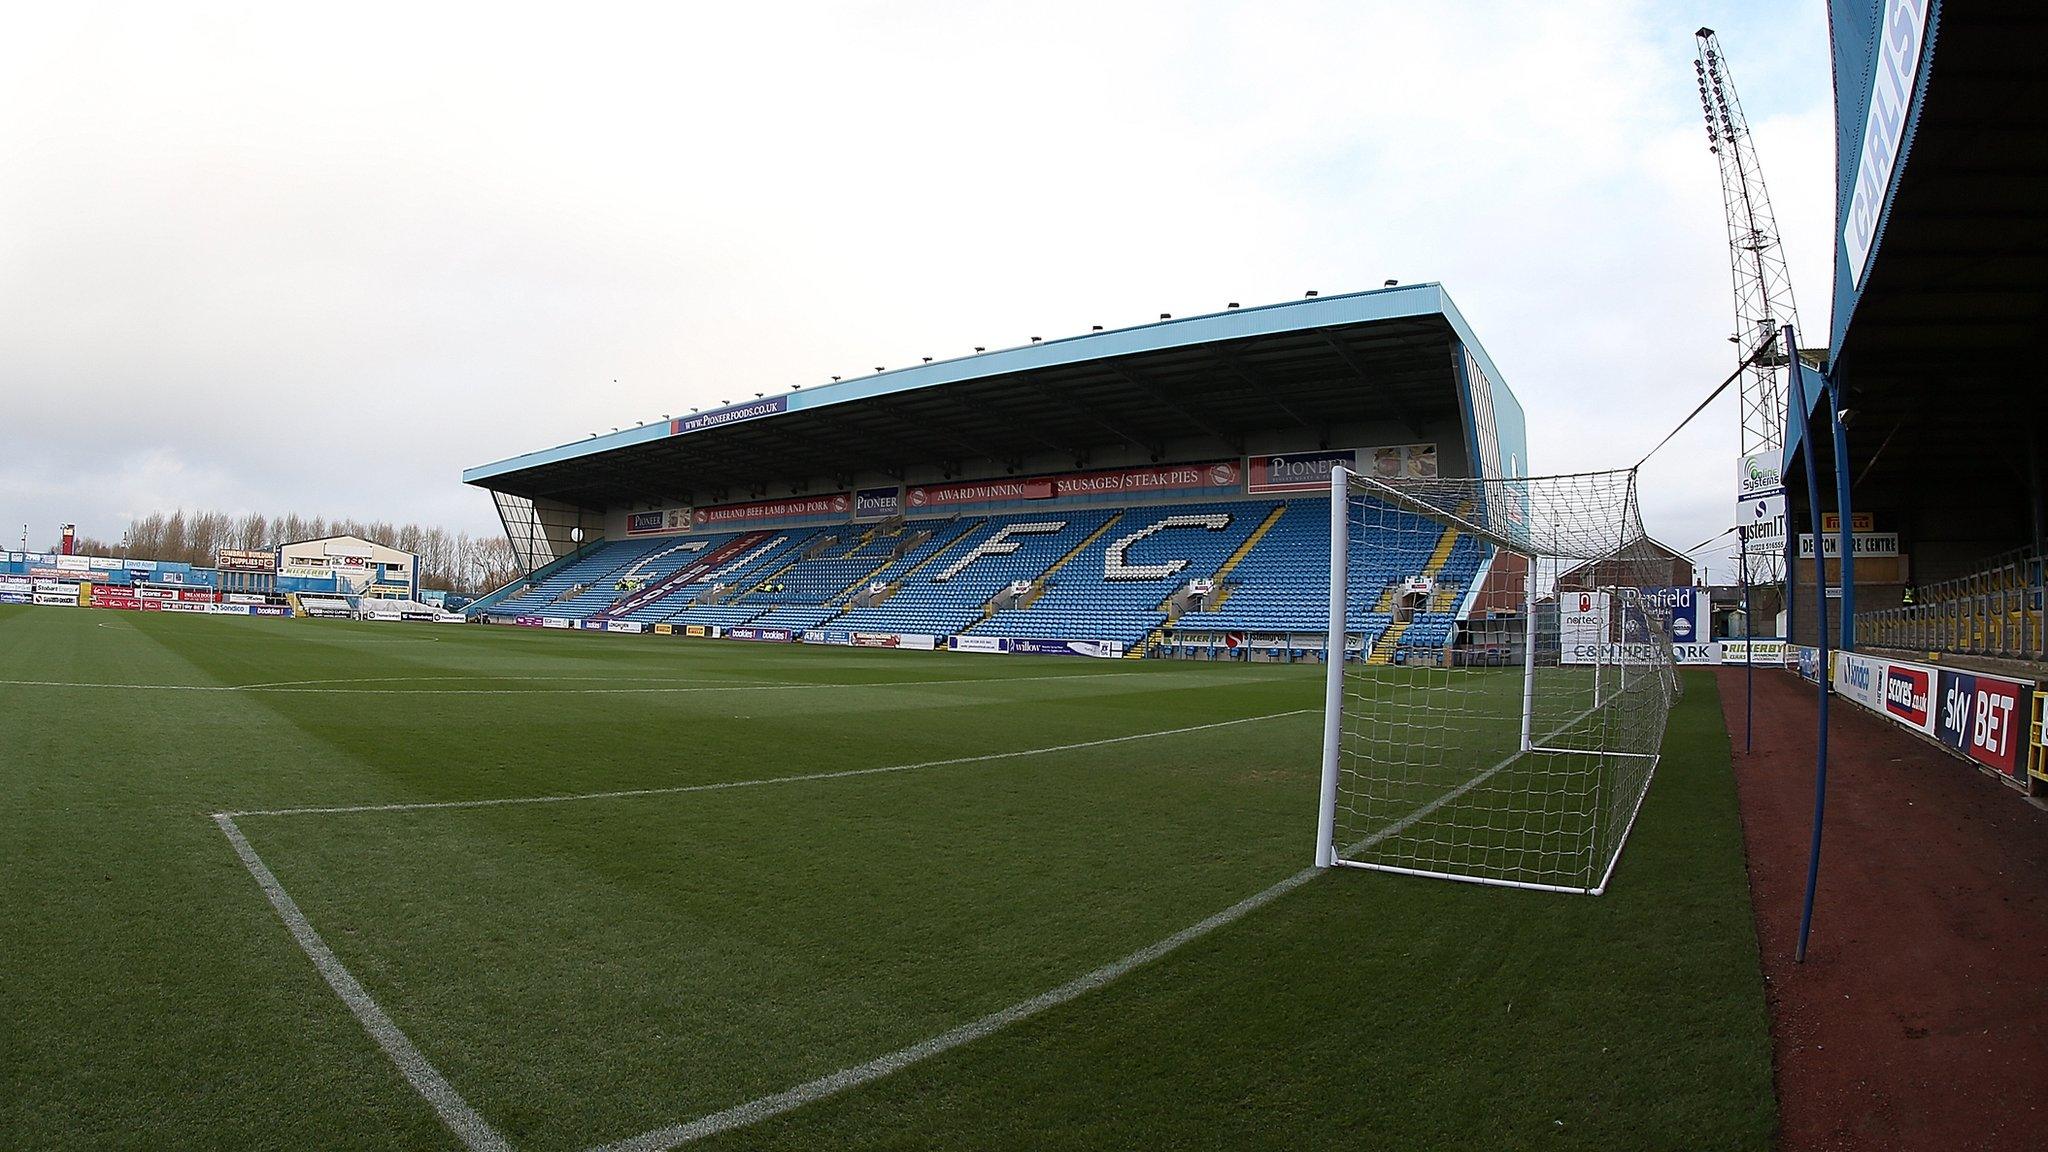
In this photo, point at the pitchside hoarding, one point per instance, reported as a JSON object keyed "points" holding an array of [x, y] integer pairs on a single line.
{"points": [[1984, 717], [1980, 717]]}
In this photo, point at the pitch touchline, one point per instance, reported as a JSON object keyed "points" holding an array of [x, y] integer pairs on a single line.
{"points": [[722, 785]]}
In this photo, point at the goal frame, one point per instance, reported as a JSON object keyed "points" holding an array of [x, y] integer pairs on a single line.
{"points": [[1327, 854]]}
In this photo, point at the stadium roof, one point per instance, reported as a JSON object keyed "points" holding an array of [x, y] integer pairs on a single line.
{"points": [[1937, 347], [1306, 365]]}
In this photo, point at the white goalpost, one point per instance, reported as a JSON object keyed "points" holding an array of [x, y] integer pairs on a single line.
{"points": [[1502, 719]]}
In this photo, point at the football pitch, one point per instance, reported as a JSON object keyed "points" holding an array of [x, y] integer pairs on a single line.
{"points": [[320, 885]]}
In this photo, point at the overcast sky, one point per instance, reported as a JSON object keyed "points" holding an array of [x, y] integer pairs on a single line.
{"points": [[321, 258]]}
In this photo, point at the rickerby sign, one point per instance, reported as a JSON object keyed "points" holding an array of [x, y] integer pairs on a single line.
{"points": [[1756, 650]]}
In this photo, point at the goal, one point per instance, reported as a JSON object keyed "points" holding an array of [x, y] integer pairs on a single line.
{"points": [[1508, 673]]}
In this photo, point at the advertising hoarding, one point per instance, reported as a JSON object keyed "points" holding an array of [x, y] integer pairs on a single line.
{"points": [[833, 504], [1983, 717], [657, 521], [1864, 543], [1294, 471], [1756, 650], [877, 503], [1860, 678], [1909, 696], [730, 414]]}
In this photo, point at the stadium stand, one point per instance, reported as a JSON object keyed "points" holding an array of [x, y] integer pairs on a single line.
{"points": [[1126, 574], [944, 598]]}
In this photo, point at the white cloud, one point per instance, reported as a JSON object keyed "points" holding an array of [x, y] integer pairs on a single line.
{"points": [[302, 261]]}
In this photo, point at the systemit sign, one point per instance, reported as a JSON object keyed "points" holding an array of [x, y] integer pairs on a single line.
{"points": [[1899, 40], [718, 417]]}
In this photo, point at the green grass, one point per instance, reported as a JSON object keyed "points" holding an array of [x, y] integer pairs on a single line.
{"points": [[582, 972]]}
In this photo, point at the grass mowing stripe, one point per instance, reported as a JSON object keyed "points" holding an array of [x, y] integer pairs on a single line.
{"points": [[831, 1084], [722, 785], [469, 1127], [294, 688]]}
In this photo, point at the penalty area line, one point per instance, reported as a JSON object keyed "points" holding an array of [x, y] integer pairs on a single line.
{"points": [[725, 785], [832, 1084], [464, 1121]]}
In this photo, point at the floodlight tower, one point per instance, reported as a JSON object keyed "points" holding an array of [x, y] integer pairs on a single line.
{"points": [[1763, 284]]}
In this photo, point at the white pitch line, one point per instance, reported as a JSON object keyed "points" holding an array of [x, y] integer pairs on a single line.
{"points": [[831, 1084], [289, 688], [471, 1128], [724, 785]]}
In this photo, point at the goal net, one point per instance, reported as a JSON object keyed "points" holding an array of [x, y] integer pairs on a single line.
{"points": [[1499, 716]]}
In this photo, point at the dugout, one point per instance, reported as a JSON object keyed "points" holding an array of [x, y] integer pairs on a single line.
{"points": [[1940, 265]]}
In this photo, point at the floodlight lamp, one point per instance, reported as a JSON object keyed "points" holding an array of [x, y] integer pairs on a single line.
{"points": [[1095, 327], [927, 359], [1037, 339], [1166, 315], [980, 348], [1312, 293], [1388, 284], [1232, 304]]}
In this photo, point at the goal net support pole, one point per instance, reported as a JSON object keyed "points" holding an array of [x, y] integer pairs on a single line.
{"points": [[1333, 661]]}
